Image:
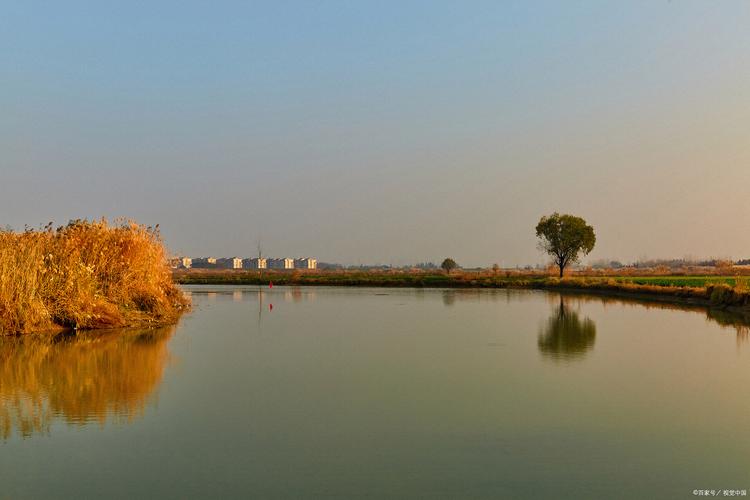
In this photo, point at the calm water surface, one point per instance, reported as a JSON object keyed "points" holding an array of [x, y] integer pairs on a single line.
{"points": [[333, 392]]}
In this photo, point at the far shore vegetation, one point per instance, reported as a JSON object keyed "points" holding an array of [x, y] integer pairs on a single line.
{"points": [[723, 291], [564, 237], [86, 275]]}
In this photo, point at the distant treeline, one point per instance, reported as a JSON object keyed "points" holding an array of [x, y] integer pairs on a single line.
{"points": [[669, 263], [672, 264]]}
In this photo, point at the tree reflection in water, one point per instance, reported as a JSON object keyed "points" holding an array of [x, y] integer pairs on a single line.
{"points": [[78, 378], [449, 297], [566, 336]]}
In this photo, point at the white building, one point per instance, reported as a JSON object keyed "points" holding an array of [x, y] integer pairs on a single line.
{"points": [[255, 263], [285, 263], [186, 262], [231, 263], [305, 263]]}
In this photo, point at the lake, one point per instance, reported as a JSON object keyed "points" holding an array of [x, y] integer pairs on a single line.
{"points": [[349, 392]]}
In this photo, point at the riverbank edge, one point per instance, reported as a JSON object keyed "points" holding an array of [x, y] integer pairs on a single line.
{"points": [[136, 325], [719, 296]]}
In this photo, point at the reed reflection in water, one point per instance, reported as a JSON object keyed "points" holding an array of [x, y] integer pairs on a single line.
{"points": [[83, 378]]}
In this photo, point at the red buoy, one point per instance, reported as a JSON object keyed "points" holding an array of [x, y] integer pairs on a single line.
{"points": [[270, 307]]}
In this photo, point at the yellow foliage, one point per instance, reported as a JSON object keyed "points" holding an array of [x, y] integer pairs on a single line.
{"points": [[85, 275]]}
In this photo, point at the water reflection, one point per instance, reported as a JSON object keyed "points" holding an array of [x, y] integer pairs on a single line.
{"points": [[254, 294], [566, 336], [449, 297], [736, 320], [263, 297], [78, 378]]}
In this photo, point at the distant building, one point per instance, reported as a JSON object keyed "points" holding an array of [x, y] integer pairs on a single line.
{"points": [[285, 263], [204, 263], [229, 263], [305, 263], [255, 263], [186, 262]]}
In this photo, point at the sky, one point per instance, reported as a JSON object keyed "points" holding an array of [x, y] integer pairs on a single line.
{"points": [[382, 132]]}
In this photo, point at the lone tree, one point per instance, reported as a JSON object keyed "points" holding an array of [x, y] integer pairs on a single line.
{"points": [[565, 238], [449, 265]]}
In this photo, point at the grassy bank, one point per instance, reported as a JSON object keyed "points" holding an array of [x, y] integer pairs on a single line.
{"points": [[714, 291], [683, 281], [85, 275]]}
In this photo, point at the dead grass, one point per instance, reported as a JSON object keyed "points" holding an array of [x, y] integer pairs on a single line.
{"points": [[85, 275]]}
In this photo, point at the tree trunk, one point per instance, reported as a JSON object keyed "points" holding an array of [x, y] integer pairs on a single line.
{"points": [[561, 271]]}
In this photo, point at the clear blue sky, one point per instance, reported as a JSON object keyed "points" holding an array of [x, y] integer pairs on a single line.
{"points": [[387, 132]]}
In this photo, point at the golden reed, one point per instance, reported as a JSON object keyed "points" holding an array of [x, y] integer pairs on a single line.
{"points": [[85, 275]]}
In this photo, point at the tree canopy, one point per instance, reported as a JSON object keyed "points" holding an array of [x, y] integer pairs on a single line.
{"points": [[565, 238], [448, 265]]}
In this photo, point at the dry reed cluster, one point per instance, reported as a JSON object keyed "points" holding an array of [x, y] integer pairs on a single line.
{"points": [[85, 275]]}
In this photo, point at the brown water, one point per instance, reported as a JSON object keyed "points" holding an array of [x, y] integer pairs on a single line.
{"points": [[341, 392]]}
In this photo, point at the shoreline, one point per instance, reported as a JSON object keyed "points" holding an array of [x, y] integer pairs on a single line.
{"points": [[56, 329], [714, 296]]}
